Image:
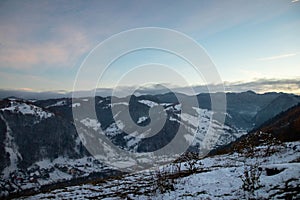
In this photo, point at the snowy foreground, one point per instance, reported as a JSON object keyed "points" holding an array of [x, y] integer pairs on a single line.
{"points": [[273, 173]]}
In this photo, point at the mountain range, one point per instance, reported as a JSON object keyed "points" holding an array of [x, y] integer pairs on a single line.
{"points": [[39, 143]]}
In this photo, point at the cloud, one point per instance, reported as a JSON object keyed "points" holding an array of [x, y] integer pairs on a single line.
{"points": [[259, 86], [26, 89], [278, 57], [40, 33], [266, 85], [294, 1], [50, 34], [27, 94], [36, 82], [62, 50]]}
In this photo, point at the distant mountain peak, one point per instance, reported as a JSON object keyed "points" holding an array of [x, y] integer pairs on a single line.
{"points": [[250, 92]]}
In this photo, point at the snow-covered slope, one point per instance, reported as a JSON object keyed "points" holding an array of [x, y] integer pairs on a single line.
{"points": [[27, 109], [12, 149], [16, 107], [218, 177], [48, 172], [197, 126]]}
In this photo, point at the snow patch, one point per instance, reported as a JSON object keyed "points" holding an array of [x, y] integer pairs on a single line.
{"points": [[91, 123], [119, 103], [142, 119], [148, 103], [74, 105], [12, 149], [115, 128], [177, 107]]}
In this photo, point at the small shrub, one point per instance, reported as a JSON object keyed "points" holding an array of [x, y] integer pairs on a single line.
{"points": [[251, 180], [163, 182], [191, 162]]}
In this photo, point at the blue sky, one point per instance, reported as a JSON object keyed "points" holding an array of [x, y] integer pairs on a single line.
{"points": [[43, 43]]}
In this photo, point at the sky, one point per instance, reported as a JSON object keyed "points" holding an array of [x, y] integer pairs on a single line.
{"points": [[43, 44]]}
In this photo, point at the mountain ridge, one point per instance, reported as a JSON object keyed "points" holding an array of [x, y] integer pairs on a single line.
{"points": [[284, 127]]}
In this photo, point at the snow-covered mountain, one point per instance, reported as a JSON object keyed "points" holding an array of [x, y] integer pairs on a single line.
{"points": [[41, 146]]}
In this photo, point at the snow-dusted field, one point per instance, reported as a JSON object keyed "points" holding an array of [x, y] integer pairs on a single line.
{"points": [[218, 177]]}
